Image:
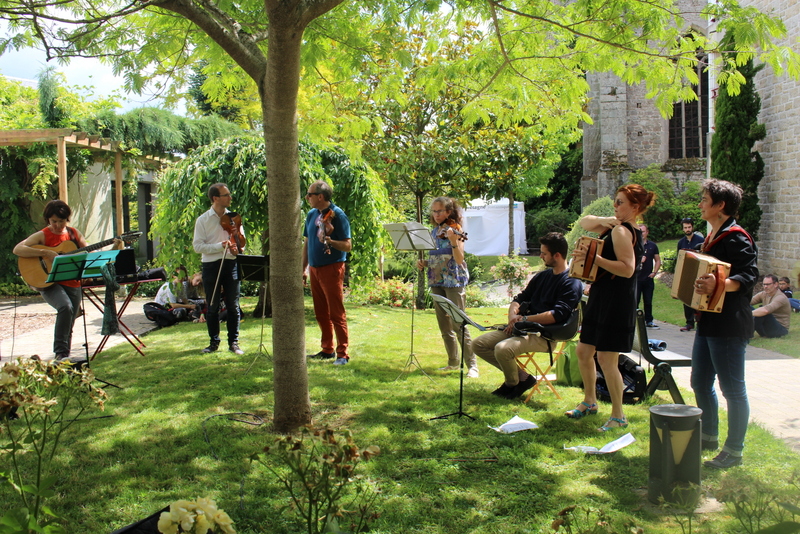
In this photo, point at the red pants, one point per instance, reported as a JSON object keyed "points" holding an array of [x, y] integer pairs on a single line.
{"points": [[327, 291]]}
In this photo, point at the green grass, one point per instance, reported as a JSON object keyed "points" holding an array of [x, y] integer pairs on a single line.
{"points": [[446, 476]]}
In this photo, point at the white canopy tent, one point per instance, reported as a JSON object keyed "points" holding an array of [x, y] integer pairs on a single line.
{"points": [[487, 227]]}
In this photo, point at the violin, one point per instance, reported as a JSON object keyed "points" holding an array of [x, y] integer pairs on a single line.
{"points": [[232, 223], [455, 227], [326, 226]]}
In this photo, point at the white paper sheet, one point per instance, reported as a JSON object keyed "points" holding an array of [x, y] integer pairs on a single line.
{"points": [[614, 446], [515, 424]]}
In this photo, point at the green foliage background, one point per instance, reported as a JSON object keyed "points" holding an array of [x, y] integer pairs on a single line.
{"points": [[736, 132], [239, 162], [601, 207]]}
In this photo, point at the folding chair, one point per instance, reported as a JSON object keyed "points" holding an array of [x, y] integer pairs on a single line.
{"points": [[529, 358], [558, 334]]}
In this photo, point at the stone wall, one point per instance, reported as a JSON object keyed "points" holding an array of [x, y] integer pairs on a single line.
{"points": [[779, 235]]}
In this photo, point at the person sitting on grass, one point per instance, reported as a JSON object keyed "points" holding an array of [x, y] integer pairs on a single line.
{"points": [[773, 317], [549, 298], [785, 287]]}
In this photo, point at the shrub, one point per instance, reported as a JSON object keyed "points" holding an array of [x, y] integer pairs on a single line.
{"points": [[664, 217], [602, 207], [476, 297], [512, 270], [394, 292], [477, 272], [539, 223], [18, 290]]}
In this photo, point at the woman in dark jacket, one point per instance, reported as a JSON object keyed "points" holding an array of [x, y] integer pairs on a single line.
{"points": [[721, 339]]}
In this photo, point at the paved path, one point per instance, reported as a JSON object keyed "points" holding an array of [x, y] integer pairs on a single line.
{"points": [[40, 341], [770, 377]]}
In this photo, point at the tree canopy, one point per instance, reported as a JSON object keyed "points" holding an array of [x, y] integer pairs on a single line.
{"points": [[281, 43]]}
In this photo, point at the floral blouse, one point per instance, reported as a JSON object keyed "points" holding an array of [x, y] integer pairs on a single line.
{"points": [[443, 271]]}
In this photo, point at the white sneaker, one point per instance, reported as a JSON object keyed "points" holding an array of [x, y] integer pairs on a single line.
{"points": [[473, 372]]}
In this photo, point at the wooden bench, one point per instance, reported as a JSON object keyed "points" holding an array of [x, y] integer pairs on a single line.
{"points": [[662, 362]]}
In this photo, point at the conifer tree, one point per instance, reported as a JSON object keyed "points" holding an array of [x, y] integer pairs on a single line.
{"points": [[736, 131]]}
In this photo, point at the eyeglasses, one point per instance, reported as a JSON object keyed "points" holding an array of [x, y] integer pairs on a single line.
{"points": [[765, 284], [309, 194], [687, 220], [438, 212]]}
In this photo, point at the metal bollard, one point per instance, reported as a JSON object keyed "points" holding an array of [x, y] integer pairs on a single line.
{"points": [[674, 453]]}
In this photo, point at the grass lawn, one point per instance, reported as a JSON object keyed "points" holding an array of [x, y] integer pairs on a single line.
{"points": [[170, 438]]}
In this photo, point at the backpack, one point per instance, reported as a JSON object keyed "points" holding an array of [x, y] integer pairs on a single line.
{"points": [[633, 380], [159, 314]]}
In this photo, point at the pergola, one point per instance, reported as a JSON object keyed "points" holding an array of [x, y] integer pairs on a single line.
{"points": [[65, 138]]}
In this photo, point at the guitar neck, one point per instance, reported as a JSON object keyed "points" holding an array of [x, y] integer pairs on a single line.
{"points": [[95, 246]]}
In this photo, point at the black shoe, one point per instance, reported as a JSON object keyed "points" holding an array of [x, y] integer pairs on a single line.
{"points": [[322, 356], [503, 390], [724, 460], [522, 387], [234, 348], [211, 347], [709, 444]]}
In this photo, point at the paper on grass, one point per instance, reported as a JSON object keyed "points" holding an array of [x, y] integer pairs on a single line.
{"points": [[614, 446], [515, 424]]}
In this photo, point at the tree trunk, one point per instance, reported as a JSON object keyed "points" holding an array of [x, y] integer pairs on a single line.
{"points": [[279, 103], [511, 223]]}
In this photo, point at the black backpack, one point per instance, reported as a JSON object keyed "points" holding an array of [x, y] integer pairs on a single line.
{"points": [[633, 379], [159, 314]]}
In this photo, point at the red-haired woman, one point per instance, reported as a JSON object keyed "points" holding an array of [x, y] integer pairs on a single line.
{"points": [[609, 320]]}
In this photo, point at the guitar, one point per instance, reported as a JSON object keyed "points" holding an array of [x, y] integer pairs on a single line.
{"points": [[36, 270]]}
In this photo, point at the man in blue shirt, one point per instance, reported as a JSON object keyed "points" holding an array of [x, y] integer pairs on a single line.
{"points": [[691, 240], [645, 284], [327, 233]]}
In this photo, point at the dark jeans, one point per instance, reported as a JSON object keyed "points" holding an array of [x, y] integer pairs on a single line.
{"points": [[768, 326], [229, 287], [645, 288], [689, 314], [723, 358], [67, 302]]}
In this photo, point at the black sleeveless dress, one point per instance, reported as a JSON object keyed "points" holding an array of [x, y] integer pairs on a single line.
{"points": [[609, 320]]}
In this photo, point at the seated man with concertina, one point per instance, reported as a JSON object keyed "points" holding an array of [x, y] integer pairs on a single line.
{"points": [[549, 298], [773, 317]]}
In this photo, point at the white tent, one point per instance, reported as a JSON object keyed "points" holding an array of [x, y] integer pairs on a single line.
{"points": [[487, 228]]}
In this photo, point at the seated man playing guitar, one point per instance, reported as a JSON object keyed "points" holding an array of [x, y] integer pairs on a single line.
{"points": [[45, 245]]}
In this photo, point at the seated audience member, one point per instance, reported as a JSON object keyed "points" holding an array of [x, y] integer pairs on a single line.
{"points": [[186, 294], [549, 298], [772, 318], [783, 285]]}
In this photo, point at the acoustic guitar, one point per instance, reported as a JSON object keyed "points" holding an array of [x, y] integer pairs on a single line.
{"points": [[36, 270]]}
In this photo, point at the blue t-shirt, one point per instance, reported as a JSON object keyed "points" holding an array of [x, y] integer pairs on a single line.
{"points": [[317, 256]]}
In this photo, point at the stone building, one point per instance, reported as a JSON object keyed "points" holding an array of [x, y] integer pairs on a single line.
{"points": [[629, 134]]}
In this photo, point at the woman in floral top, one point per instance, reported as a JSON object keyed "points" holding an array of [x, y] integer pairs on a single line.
{"points": [[448, 276]]}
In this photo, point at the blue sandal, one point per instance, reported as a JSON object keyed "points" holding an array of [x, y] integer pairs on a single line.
{"points": [[577, 413], [613, 423]]}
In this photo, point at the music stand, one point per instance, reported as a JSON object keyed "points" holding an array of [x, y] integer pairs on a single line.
{"points": [[460, 318], [255, 269], [76, 267], [411, 236]]}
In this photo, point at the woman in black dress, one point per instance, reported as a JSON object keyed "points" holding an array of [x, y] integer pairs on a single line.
{"points": [[609, 320]]}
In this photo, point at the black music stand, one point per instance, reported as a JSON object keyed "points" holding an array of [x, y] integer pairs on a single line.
{"points": [[77, 267], [411, 236], [460, 318], [255, 269]]}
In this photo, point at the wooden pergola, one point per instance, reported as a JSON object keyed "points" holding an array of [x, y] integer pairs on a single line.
{"points": [[65, 138]]}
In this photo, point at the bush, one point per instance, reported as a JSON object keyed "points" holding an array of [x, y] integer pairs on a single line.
{"points": [[477, 272], [512, 270], [394, 292], [663, 219], [602, 207], [476, 297], [668, 259], [547, 220], [16, 290]]}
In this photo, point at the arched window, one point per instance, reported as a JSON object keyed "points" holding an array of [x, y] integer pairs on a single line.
{"points": [[688, 127]]}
